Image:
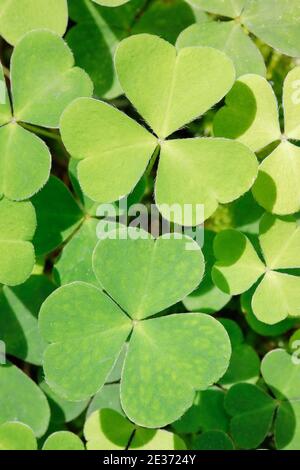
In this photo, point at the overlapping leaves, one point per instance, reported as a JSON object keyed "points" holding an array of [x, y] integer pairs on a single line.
{"points": [[106, 141], [77, 312], [251, 116], [238, 267], [43, 84]]}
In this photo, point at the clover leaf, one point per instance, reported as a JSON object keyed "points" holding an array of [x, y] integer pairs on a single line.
{"points": [[244, 362], [106, 429], [252, 411], [63, 440], [25, 159], [276, 188], [77, 312], [21, 16], [207, 298], [17, 227], [110, 3], [282, 375], [98, 31], [58, 216], [228, 37], [17, 436], [22, 400], [107, 141], [206, 414], [275, 22], [62, 411], [19, 308], [213, 440], [238, 267]]}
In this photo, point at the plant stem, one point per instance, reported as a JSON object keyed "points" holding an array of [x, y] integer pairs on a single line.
{"points": [[41, 131], [152, 161]]}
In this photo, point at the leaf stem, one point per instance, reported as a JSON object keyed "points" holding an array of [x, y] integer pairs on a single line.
{"points": [[40, 131], [152, 161]]}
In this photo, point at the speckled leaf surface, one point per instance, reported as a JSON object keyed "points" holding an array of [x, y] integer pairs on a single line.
{"points": [[83, 325], [166, 341], [149, 267]]}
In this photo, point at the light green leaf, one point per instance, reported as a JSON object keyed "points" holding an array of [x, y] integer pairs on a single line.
{"points": [[259, 327], [63, 440], [154, 78], [252, 412], [18, 17], [25, 162], [275, 22], [110, 3], [202, 171], [17, 436], [277, 185], [207, 298], [291, 104], [5, 109], [191, 341], [107, 142], [22, 400], [107, 430], [227, 37], [83, 325], [238, 266], [282, 292], [280, 240], [75, 263], [45, 82], [58, 216], [250, 114], [282, 374], [213, 440], [149, 439], [19, 307], [99, 29], [17, 227], [231, 8], [164, 266]]}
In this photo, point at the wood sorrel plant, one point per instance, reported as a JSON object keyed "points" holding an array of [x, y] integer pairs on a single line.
{"points": [[113, 337]]}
